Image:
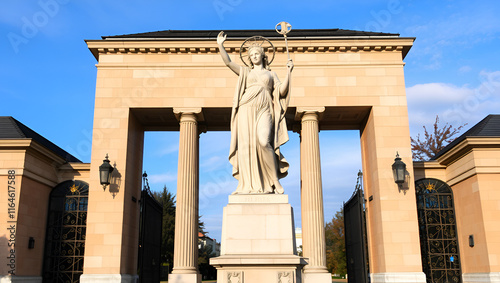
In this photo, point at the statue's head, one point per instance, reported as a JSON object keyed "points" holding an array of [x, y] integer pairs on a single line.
{"points": [[257, 55]]}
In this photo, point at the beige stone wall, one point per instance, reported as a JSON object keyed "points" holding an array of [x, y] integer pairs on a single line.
{"points": [[391, 216], [7, 246], [32, 219], [477, 201], [470, 222], [490, 203], [37, 171], [113, 216], [429, 169], [472, 169], [200, 79]]}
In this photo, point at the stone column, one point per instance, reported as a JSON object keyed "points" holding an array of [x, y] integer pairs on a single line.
{"points": [[186, 219], [313, 229]]}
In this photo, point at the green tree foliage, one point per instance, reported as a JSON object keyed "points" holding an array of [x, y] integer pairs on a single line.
{"points": [[201, 226], [167, 199], [433, 142], [335, 244], [207, 271]]}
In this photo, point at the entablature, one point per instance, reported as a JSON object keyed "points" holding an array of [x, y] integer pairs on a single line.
{"points": [[397, 44]]}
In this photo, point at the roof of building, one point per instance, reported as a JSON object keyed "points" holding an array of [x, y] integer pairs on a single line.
{"points": [[10, 128], [488, 127], [212, 34]]}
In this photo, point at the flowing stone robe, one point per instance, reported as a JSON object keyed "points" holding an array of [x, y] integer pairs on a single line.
{"points": [[257, 106]]}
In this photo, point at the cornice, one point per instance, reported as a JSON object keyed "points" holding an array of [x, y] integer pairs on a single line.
{"points": [[466, 146], [74, 166], [32, 147], [427, 165], [471, 172], [98, 47], [15, 143]]}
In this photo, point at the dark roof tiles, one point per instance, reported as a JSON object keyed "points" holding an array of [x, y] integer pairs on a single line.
{"points": [[488, 127], [10, 128], [212, 34]]}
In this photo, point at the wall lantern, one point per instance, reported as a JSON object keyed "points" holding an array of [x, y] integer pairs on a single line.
{"points": [[105, 171], [399, 170]]}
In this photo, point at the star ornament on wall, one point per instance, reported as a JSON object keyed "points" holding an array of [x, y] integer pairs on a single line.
{"points": [[74, 189], [430, 187]]}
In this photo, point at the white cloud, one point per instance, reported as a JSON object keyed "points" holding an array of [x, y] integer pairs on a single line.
{"points": [[431, 93], [456, 105]]}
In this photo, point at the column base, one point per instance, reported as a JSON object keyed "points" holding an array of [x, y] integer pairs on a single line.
{"points": [[184, 278], [114, 278], [317, 277], [14, 278], [398, 277], [481, 277]]}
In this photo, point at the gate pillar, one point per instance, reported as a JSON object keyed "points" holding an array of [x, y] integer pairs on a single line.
{"points": [[113, 212], [392, 225]]}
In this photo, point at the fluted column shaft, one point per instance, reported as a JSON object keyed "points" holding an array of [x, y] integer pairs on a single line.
{"points": [[186, 212], [313, 229]]}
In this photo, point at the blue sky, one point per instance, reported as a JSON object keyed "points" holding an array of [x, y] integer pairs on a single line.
{"points": [[47, 75]]}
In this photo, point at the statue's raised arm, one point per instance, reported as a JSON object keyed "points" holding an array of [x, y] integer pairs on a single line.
{"points": [[225, 57]]}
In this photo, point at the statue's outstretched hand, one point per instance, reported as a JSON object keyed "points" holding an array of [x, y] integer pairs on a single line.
{"points": [[221, 38]]}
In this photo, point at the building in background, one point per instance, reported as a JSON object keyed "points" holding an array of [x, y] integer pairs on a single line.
{"points": [[298, 239], [205, 241]]}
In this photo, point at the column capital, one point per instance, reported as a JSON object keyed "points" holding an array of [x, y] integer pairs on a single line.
{"points": [[301, 112], [195, 114]]}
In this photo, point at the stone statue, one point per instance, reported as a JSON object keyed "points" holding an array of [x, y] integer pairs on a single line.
{"points": [[258, 126]]}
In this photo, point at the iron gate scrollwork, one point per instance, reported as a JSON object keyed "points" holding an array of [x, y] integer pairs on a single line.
{"points": [[66, 230], [355, 236], [150, 229], [438, 232]]}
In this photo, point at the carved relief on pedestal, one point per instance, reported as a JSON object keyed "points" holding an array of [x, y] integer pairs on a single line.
{"points": [[285, 277], [234, 277]]}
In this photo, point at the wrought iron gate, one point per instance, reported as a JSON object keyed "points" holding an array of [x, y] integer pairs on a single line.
{"points": [[149, 236], [66, 230], [355, 236], [438, 231]]}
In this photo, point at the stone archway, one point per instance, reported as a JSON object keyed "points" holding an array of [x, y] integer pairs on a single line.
{"points": [[160, 81]]}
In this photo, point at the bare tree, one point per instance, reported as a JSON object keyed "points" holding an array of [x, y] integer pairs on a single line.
{"points": [[424, 149]]}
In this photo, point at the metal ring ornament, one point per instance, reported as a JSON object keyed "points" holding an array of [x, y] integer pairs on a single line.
{"points": [[256, 40], [283, 28]]}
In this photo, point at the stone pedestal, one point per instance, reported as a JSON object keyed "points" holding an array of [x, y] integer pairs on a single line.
{"points": [[258, 241]]}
